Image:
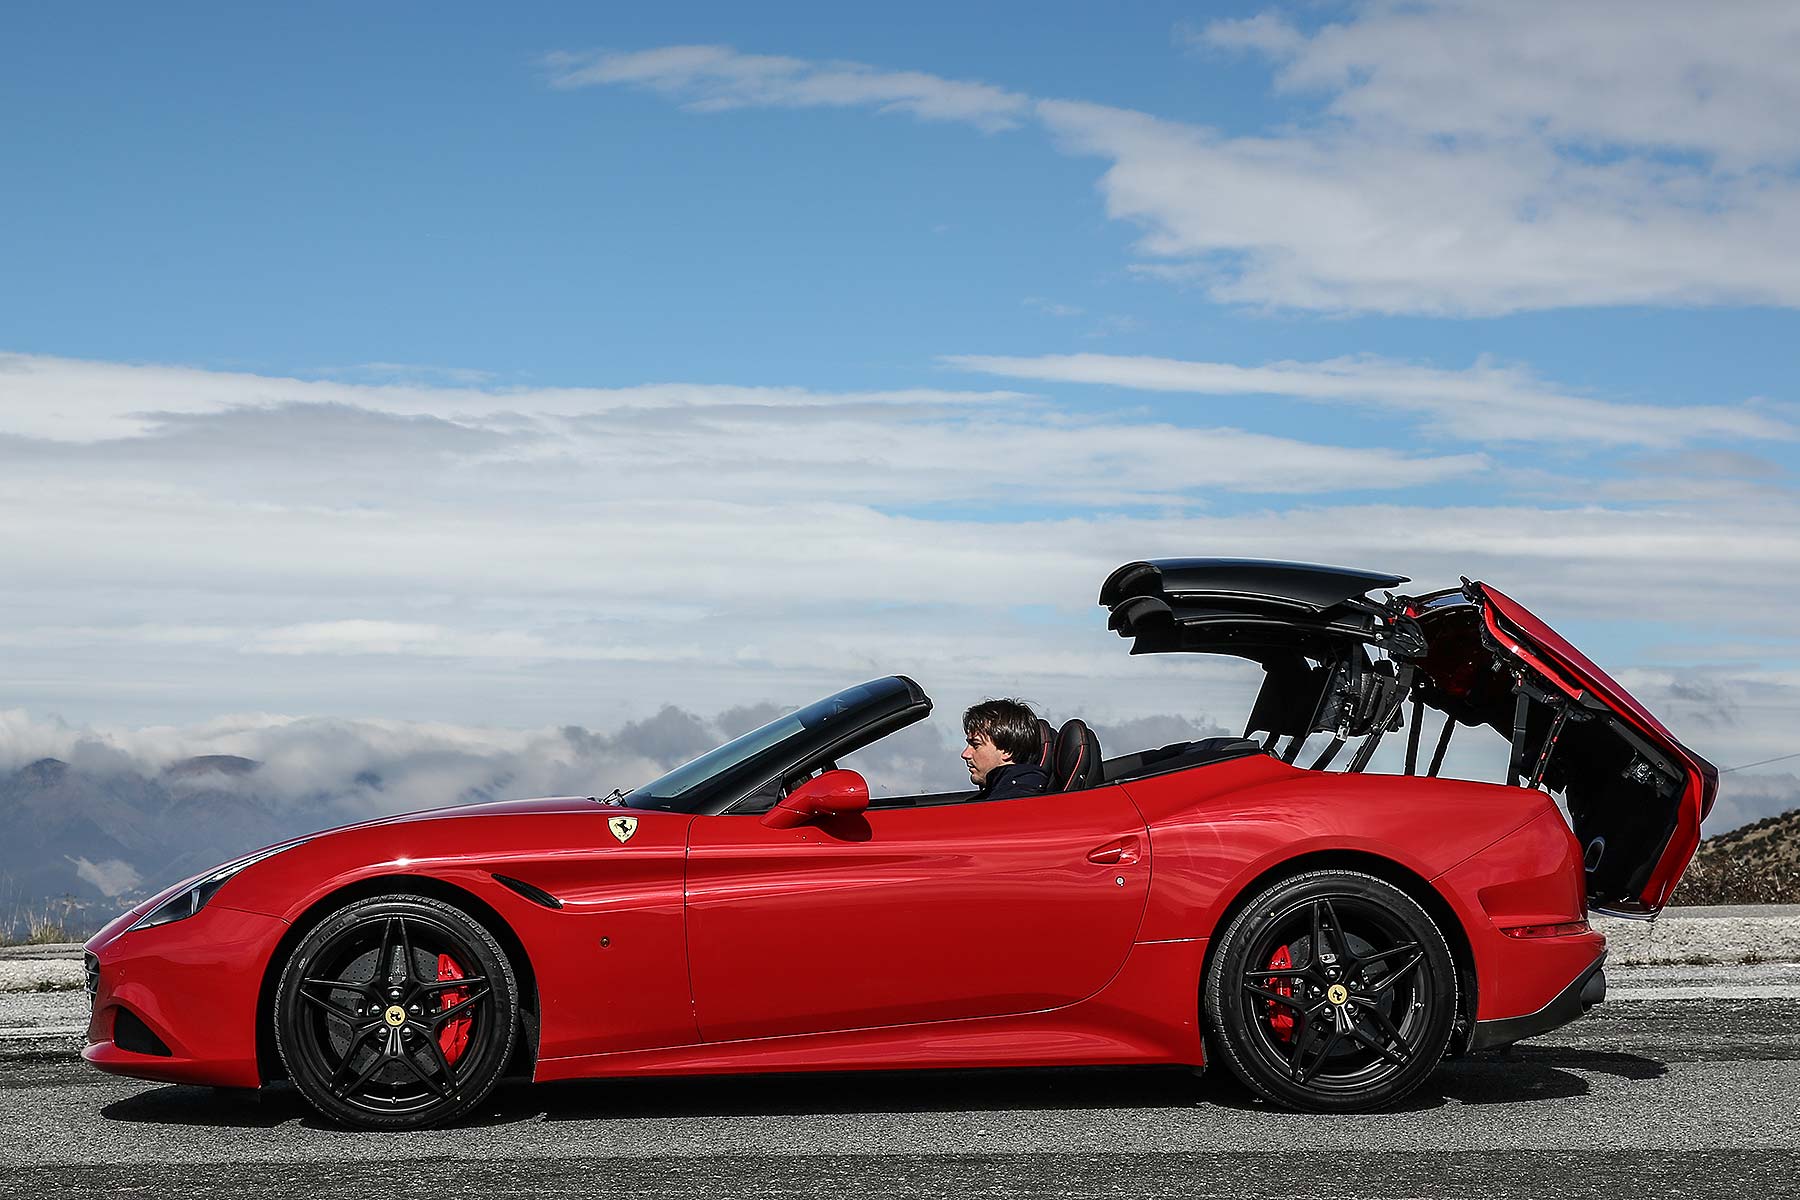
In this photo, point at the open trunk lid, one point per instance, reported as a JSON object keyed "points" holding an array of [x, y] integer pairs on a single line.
{"points": [[1340, 661], [1636, 795]]}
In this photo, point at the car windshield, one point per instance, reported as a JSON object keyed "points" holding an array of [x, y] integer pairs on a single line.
{"points": [[843, 708]]}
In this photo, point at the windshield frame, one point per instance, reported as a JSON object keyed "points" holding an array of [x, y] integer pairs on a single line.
{"points": [[714, 781]]}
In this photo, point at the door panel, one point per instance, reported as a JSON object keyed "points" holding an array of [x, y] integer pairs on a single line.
{"points": [[911, 914]]}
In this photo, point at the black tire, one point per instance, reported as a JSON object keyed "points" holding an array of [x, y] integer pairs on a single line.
{"points": [[368, 1028], [1357, 1015]]}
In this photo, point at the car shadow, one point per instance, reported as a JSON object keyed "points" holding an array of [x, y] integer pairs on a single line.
{"points": [[185, 1104], [1524, 1075], [1521, 1076], [852, 1092]]}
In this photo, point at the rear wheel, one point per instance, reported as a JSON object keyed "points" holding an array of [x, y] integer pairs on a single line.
{"points": [[396, 1012], [1332, 991]]}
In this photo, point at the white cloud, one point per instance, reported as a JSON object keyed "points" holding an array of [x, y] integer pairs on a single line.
{"points": [[714, 78], [1266, 33], [1481, 158], [80, 400], [1487, 403], [1052, 308], [725, 443], [1470, 159], [1713, 79], [417, 639], [113, 877], [1350, 220]]}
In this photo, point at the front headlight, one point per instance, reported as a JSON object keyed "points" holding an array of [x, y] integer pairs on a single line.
{"points": [[192, 899]]}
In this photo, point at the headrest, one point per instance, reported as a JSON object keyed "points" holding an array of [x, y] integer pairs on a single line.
{"points": [[1046, 745], [1077, 762]]}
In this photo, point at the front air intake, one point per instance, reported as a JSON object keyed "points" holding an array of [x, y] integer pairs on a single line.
{"points": [[130, 1033]]}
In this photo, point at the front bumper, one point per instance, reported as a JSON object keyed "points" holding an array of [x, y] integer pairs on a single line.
{"points": [[1584, 991], [189, 988]]}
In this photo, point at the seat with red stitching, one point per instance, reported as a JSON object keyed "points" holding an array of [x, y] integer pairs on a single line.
{"points": [[1046, 745], [1077, 762]]}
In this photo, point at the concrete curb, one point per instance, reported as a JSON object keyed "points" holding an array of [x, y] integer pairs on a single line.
{"points": [[54, 967], [41, 974], [46, 950], [1761, 933]]}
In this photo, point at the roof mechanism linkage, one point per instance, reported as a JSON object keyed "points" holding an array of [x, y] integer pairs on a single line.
{"points": [[1443, 744], [1412, 733], [1550, 740], [1563, 709]]}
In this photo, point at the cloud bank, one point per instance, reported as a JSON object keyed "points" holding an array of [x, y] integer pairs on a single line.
{"points": [[192, 541]]}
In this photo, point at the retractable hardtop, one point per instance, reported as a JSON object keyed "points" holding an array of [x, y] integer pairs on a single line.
{"points": [[1341, 661]]}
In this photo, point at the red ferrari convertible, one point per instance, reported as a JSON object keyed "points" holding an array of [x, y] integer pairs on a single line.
{"points": [[1327, 934]]}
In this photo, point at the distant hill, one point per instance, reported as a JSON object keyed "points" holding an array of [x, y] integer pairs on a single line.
{"points": [[81, 846], [1756, 864]]}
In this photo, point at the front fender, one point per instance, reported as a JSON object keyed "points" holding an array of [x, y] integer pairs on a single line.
{"points": [[610, 961]]}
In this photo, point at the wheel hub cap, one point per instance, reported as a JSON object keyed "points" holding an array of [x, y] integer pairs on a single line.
{"points": [[1337, 993], [395, 1016]]}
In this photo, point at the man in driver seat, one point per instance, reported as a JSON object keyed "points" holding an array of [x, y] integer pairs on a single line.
{"points": [[1003, 750]]}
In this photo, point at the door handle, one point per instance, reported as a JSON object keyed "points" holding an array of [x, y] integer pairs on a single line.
{"points": [[1120, 853]]}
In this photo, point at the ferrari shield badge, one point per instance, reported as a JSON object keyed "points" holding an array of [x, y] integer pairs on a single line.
{"points": [[622, 828]]}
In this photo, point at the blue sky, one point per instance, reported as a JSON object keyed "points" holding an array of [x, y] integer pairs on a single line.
{"points": [[1438, 288], [235, 186]]}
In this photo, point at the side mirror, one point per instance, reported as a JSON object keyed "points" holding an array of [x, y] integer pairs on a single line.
{"points": [[836, 793]]}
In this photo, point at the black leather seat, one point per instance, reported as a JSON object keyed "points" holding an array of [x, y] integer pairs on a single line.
{"points": [[1047, 746], [1077, 762]]}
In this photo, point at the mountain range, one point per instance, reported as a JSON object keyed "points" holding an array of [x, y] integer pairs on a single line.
{"points": [[79, 846]]}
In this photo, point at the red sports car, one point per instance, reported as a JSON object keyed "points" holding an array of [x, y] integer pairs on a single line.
{"points": [[1328, 935]]}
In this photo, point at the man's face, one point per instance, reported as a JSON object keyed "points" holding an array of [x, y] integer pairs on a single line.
{"points": [[983, 756]]}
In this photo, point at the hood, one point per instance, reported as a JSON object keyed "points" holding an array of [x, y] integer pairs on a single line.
{"points": [[493, 808]]}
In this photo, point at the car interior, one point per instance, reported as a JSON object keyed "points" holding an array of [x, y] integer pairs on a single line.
{"points": [[1072, 756]]}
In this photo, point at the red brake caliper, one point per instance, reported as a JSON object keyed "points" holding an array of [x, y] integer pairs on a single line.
{"points": [[453, 1038], [1281, 1017]]}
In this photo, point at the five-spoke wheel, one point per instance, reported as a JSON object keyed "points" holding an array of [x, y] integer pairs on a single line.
{"points": [[396, 1012], [1332, 990]]}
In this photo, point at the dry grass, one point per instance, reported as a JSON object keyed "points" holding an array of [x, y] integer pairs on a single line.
{"points": [[1758, 864], [40, 925]]}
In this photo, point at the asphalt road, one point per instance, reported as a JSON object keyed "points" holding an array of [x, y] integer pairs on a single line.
{"points": [[1686, 1083]]}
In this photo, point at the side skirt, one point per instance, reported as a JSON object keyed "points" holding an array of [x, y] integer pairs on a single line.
{"points": [[1149, 1013]]}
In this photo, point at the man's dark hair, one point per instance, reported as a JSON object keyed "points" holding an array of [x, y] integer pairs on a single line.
{"points": [[1009, 724]]}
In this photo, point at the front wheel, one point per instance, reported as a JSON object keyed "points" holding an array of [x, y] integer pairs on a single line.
{"points": [[1332, 991], [396, 1012]]}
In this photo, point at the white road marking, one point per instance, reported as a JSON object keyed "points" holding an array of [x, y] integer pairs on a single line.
{"points": [[1704, 991]]}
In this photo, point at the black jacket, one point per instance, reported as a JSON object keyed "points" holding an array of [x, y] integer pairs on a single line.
{"points": [[1013, 780]]}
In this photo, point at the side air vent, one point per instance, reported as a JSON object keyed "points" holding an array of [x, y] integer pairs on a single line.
{"points": [[130, 1033], [536, 895]]}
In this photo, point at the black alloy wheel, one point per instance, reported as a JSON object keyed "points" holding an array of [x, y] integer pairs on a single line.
{"points": [[1332, 991], [396, 1012]]}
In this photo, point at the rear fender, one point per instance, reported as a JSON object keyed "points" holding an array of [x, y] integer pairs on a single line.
{"points": [[1209, 845]]}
